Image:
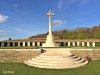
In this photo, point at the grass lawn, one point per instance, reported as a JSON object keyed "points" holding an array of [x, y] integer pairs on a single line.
{"points": [[21, 69]]}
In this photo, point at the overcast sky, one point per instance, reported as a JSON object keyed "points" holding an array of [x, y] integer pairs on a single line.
{"points": [[24, 18]]}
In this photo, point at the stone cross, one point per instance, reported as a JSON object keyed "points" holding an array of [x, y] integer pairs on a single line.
{"points": [[50, 14]]}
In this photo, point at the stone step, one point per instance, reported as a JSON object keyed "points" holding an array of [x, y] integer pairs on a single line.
{"points": [[80, 61], [51, 64], [55, 59], [47, 57], [37, 63], [74, 57], [53, 54], [57, 67], [77, 59], [52, 61]]}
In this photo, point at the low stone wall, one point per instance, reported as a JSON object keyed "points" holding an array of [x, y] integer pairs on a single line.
{"points": [[17, 55], [93, 54], [23, 55]]}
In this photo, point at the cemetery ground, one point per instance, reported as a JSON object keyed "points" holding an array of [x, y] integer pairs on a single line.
{"points": [[14, 68]]}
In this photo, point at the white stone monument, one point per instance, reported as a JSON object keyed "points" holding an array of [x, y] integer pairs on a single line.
{"points": [[55, 58], [50, 38]]}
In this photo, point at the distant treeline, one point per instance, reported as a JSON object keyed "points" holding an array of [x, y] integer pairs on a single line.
{"points": [[77, 33]]}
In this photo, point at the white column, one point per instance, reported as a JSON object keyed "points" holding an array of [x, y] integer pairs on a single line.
{"points": [[23, 43], [13, 43], [8, 43], [93, 44], [73, 43], [82, 43], [18, 43], [2, 44], [88, 44], [68, 43], [50, 14], [38, 43], [28, 43], [78, 43], [33, 43]]}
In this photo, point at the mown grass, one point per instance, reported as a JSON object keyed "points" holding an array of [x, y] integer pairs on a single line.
{"points": [[21, 69]]}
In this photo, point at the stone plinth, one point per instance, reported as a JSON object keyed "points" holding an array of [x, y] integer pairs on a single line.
{"points": [[57, 59], [50, 42]]}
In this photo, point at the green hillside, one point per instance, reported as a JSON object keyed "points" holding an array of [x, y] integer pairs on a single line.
{"points": [[77, 33]]}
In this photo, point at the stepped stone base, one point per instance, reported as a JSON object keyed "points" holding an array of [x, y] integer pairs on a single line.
{"points": [[56, 59]]}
